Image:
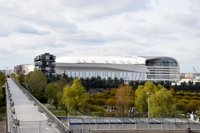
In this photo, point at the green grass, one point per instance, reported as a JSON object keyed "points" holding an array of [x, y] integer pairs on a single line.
{"points": [[56, 112]]}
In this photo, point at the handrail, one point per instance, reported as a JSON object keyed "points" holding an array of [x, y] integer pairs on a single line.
{"points": [[61, 125]]}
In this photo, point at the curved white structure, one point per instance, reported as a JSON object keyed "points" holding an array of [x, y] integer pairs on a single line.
{"points": [[129, 68]]}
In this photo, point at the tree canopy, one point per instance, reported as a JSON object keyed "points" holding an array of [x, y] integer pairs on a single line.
{"points": [[124, 98], [162, 103], [2, 81], [37, 83], [161, 100], [74, 96]]}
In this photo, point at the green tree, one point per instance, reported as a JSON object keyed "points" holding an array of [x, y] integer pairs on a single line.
{"points": [[51, 92], [141, 96], [124, 98], [26, 79], [1, 97], [162, 103], [21, 78], [36, 84], [74, 96], [2, 81], [12, 75], [141, 100]]}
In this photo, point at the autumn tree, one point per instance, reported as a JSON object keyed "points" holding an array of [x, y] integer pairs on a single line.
{"points": [[124, 98], [74, 96], [36, 84]]}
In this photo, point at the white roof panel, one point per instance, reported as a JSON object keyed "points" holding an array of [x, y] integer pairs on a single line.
{"points": [[103, 60]]}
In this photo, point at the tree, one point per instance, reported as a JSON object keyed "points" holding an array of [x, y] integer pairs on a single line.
{"points": [[26, 78], [1, 97], [12, 75], [36, 84], [21, 78], [51, 92], [141, 100], [2, 81], [162, 103], [124, 98], [74, 96]]}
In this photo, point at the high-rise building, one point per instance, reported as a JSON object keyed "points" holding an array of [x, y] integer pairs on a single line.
{"points": [[45, 63]]}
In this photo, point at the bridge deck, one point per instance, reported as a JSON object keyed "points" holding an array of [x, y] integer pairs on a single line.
{"points": [[29, 117]]}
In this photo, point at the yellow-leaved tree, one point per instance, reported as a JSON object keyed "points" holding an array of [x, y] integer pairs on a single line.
{"points": [[74, 96], [124, 98]]}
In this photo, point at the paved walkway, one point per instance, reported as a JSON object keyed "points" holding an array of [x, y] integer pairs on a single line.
{"points": [[26, 113]]}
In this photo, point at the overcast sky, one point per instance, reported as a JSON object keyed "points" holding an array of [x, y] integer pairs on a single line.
{"points": [[100, 27]]}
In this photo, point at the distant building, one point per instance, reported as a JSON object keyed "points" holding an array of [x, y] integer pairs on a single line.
{"points": [[189, 77], [23, 69], [136, 68], [45, 63], [6, 71]]}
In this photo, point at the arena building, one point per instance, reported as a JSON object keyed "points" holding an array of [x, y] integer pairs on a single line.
{"points": [[136, 68]]}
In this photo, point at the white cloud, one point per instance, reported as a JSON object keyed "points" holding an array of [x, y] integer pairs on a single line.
{"points": [[100, 27]]}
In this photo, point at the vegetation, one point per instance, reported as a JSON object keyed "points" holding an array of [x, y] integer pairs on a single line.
{"points": [[36, 84], [111, 97], [51, 92], [2, 92], [2, 96], [160, 100], [74, 96], [124, 98], [162, 103]]}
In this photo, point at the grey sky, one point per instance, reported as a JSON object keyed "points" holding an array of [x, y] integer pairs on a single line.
{"points": [[100, 27]]}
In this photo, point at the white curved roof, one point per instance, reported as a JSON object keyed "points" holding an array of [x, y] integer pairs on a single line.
{"points": [[103, 60]]}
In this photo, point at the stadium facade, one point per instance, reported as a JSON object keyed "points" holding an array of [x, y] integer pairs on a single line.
{"points": [[135, 68]]}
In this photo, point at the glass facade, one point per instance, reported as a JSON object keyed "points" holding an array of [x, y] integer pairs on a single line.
{"points": [[162, 69], [161, 62]]}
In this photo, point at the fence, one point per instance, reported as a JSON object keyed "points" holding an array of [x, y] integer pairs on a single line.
{"points": [[111, 124], [33, 126]]}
